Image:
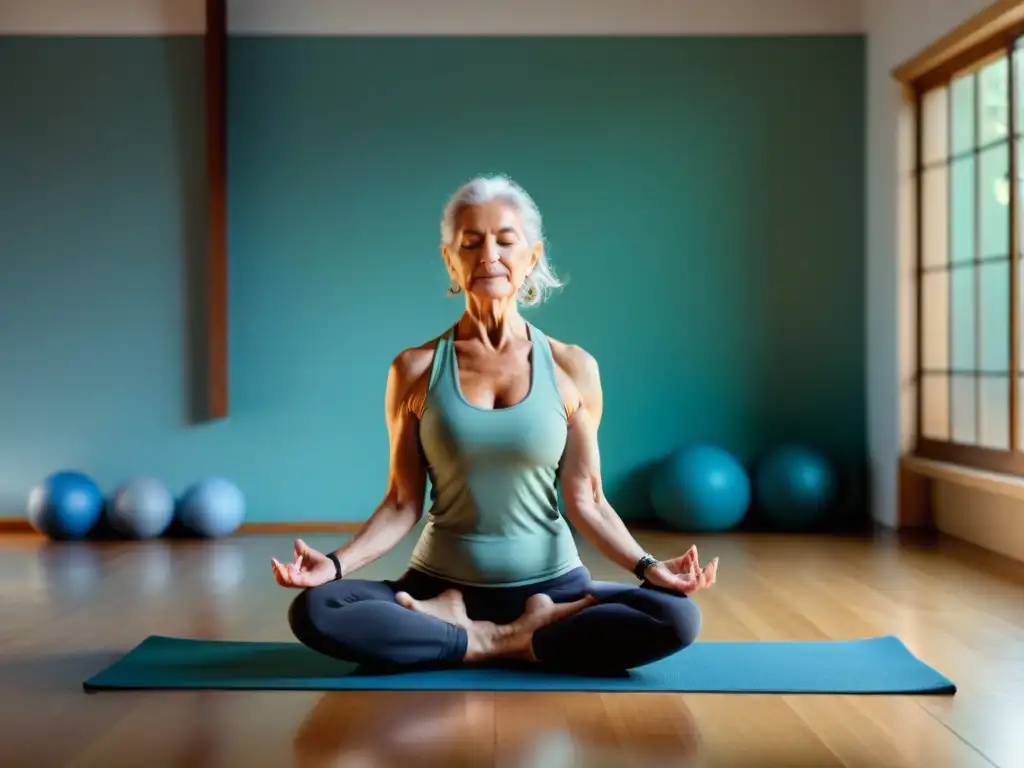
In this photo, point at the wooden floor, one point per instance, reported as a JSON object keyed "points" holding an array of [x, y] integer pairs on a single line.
{"points": [[69, 610]]}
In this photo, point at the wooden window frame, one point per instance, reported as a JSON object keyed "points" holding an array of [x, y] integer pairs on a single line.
{"points": [[210, 380], [987, 36]]}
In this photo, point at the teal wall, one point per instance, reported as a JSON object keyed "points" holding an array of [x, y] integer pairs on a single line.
{"points": [[703, 196]]}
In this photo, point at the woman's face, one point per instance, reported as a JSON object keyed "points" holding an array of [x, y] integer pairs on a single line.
{"points": [[490, 257]]}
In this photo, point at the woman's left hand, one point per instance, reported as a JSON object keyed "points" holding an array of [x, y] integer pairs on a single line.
{"points": [[683, 574]]}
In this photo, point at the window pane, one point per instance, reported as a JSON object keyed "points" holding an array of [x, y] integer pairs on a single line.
{"points": [[962, 95], [1020, 313], [994, 101], [1018, 148], [995, 412], [1020, 421], [934, 219], [962, 325], [935, 125], [964, 409], [1018, 72], [995, 316], [935, 320], [963, 195], [994, 199], [935, 407]]}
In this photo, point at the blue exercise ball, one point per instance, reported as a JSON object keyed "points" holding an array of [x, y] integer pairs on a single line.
{"points": [[794, 486], [67, 505], [701, 488], [212, 508], [142, 508]]}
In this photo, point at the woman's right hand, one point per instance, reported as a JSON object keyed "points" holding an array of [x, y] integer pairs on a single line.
{"points": [[309, 568]]}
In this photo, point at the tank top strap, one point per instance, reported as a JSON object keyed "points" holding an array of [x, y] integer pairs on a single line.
{"points": [[544, 361], [443, 364], [442, 353]]}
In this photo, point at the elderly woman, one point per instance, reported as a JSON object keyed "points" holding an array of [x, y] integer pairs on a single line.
{"points": [[497, 415]]}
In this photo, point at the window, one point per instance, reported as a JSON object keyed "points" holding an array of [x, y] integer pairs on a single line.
{"points": [[969, 122]]}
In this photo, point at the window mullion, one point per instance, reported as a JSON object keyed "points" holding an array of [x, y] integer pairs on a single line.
{"points": [[1014, 314]]}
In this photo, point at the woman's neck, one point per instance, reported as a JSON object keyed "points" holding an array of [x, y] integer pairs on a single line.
{"points": [[495, 323]]}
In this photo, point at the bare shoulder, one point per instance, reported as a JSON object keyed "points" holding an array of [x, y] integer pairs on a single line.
{"points": [[411, 363], [579, 377], [409, 377], [577, 362]]}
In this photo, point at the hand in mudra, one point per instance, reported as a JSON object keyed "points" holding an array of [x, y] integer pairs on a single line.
{"points": [[683, 574], [308, 568]]}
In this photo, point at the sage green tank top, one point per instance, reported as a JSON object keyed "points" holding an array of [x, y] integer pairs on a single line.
{"points": [[494, 517]]}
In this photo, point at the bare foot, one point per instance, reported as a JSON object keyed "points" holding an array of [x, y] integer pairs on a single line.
{"points": [[448, 606], [541, 610], [488, 640], [515, 640]]}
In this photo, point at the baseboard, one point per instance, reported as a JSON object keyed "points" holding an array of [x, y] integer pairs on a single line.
{"points": [[320, 527], [21, 526], [14, 525]]}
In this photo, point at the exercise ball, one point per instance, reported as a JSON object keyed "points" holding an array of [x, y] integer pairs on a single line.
{"points": [[65, 506], [794, 485], [212, 508], [142, 508], [700, 488]]}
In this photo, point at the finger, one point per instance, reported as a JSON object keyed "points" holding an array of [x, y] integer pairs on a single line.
{"points": [[298, 578], [691, 560], [280, 572], [284, 575], [300, 575], [682, 563], [685, 582], [689, 555], [302, 553], [686, 586], [712, 571], [707, 576], [698, 579]]}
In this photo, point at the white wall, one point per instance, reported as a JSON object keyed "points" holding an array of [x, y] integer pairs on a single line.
{"points": [[583, 17]]}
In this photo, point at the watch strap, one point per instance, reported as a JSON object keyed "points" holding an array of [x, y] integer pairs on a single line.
{"points": [[337, 564], [643, 564]]}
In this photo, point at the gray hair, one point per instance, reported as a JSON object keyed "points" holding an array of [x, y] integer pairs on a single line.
{"points": [[484, 189]]}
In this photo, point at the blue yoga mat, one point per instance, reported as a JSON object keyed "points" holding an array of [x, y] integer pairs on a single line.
{"points": [[877, 665]]}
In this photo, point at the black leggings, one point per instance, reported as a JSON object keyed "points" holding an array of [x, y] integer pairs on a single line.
{"points": [[629, 626]]}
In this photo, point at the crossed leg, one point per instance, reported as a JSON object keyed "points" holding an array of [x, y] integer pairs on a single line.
{"points": [[570, 623], [486, 640]]}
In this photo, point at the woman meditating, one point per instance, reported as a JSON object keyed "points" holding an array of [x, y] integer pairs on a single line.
{"points": [[497, 415]]}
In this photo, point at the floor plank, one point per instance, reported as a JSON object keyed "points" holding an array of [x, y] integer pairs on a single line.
{"points": [[70, 609]]}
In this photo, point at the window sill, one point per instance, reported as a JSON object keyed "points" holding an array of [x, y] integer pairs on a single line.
{"points": [[983, 480]]}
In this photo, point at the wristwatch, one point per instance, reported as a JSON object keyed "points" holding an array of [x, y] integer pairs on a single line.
{"points": [[337, 564], [642, 565]]}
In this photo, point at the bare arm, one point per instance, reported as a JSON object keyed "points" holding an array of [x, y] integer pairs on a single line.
{"points": [[402, 505], [586, 506]]}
